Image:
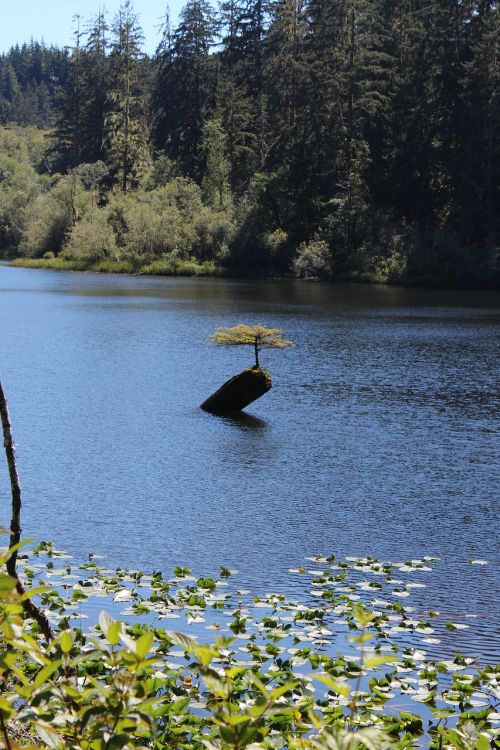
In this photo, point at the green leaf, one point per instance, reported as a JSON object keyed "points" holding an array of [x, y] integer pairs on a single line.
{"points": [[483, 743], [177, 707], [15, 547], [282, 689], [6, 709], [247, 735], [376, 660], [259, 708], [362, 638], [363, 616], [338, 686], [204, 654], [234, 720], [187, 643], [442, 712], [7, 584], [45, 673], [66, 641], [129, 642], [49, 736], [216, 686], [7, 660], [34, 592], [144, 644], [258, 682], [114, 633]]}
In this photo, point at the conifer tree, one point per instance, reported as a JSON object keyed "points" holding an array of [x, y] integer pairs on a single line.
{"points": [[284, 64], [67, 129], [215, 183], [185, 86], [478, 184], [95, 83], [241, 95], [126, 134]]}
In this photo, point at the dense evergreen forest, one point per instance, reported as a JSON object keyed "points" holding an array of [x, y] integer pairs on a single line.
{"points": [[344, 139]]}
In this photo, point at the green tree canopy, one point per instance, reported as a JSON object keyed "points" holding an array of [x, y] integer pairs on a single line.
{"points": [[258, 336]]}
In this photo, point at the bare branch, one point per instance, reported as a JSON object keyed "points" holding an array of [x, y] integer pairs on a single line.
{"points": [[15, 524]]}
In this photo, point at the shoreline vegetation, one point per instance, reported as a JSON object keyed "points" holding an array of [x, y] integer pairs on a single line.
{"points": [[192, 268], [167, 267]]}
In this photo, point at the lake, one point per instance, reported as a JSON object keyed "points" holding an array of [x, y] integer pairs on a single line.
{"points": [[379, 437]]}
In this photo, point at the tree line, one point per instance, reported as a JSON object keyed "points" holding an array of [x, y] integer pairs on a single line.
{"points": [[333, 138]]}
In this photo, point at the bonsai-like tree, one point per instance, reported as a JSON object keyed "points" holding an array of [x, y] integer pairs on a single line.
{"points": [[257, 336]]}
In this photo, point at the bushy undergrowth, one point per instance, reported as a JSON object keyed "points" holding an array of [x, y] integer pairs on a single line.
{"points": [[267, 679], [72, 222]]}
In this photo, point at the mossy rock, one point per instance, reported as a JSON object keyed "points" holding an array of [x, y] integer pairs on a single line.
{"points": [[239, 391]]}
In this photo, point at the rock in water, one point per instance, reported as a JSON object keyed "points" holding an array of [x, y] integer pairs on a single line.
{"points": [[240, 391]]}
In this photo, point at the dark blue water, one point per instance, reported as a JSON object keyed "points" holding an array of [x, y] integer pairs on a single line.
{"points": [[379, 437]]}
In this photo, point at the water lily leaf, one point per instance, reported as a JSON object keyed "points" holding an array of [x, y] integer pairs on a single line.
{"points": [[124, 595], [423, 696], [441, 712]]}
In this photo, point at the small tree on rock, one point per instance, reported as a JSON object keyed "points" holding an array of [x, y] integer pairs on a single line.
{"points": [[257, 336]]}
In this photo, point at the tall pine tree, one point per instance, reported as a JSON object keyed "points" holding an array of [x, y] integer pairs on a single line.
{"points": [[126, 128]]}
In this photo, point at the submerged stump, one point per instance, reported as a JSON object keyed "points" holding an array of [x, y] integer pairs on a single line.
{"points": [[239, 391]]}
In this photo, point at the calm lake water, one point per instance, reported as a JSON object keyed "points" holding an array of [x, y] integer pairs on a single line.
{"points": [[379, 437]]}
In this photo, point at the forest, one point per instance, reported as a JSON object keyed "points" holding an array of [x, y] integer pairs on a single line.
{"points": [[337, 139]]}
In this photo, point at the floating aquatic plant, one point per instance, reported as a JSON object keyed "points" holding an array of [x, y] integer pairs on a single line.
{"points": [[347, 667]]}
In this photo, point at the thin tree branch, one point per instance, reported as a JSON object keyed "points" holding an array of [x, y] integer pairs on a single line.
{"points": [[5, 736], [15, 524]]}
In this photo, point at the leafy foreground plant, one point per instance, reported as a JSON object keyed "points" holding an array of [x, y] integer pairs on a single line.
{"points": [[269, 680]]}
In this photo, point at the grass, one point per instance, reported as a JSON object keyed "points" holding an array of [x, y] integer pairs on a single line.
{"points": [[162, 267]]}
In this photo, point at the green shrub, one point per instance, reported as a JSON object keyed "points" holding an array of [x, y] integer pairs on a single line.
{"points": [[92, 238], [171, 265], [52, 215], [313, 259]]}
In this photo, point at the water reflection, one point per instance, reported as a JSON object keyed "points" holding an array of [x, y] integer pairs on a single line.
{"points": [[241, 419]]}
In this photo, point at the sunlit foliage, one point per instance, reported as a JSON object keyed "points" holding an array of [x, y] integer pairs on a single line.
{"points": [[257, 336]]}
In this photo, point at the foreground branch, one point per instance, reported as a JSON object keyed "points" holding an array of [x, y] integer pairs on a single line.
{"points": [[15, 524]]}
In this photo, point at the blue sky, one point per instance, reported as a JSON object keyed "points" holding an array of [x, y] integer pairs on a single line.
{"points": [[51, 20]]}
